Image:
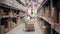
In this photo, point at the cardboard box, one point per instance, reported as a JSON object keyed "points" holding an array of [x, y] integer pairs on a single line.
{"points": [[55, 15], [1, 12], [9, 24], [19, 20], [45, 30], [12, 24], [47, 11], [29, 26], [2, 30], [8, 28], [11, 13]]}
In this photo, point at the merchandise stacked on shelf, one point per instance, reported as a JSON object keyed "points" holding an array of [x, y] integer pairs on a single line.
{"points": [[2, 30], [9, 14], [49, 14], [13, 4], [9, 19]]}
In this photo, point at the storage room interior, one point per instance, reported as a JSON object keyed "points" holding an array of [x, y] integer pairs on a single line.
{"points": [[29, 16]]}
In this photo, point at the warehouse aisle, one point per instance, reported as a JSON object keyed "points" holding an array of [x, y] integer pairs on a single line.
{"points": [[20, 29]]}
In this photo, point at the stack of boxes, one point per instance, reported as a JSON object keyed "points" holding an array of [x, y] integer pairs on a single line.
{"points": [[10, 21], [29, 25], [2, 29], [55, 15], [47, 11]]}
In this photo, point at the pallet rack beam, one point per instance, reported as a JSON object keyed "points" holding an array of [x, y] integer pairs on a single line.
{"points": [[42, 4], [10, 7], [6, 6], [13, 5], [20, 2], [48, 20]]}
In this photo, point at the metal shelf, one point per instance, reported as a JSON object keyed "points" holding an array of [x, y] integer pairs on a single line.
{"points": [[51, 23], [19, 1], [46, 19], [6, 6], [42, 4], [15, 7], [6, 16]]}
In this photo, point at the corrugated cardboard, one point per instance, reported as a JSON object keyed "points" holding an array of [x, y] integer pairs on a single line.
{"points": [[2, 30], [55, 15], [45, 30], [12, 24], [1, 11], [47, 11], [9, 25], [29, 26]]}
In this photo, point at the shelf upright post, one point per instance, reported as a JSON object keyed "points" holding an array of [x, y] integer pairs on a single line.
{"points": [[0, 24], [16, 16], [0, 20], [10, 18], [51, 4]]}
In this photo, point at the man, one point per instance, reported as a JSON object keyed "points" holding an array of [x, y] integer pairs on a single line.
{"points": [[27, 19]]}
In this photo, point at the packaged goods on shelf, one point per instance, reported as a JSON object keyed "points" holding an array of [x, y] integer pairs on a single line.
{"points": [[1, 12], [6, 11], [12, 24], [50, 11], [2, 29], [45, 30], [14, 20], [18, 20], [11, 13], [47, 11], [41, 25], [55, 15], [42, 11], [6, 24]]}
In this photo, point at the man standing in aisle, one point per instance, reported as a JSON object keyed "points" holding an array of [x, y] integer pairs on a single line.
{"points": [[27, 19]]}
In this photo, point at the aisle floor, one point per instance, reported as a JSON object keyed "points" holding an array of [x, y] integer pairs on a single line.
{"points": [[20, 29]]}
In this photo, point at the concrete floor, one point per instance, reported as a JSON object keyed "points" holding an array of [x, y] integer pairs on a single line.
{"points": [[20, 29]]}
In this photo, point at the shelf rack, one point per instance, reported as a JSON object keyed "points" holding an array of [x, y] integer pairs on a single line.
{"points": [[49, 20], [42, 4], [13, 8], [6, 6], [20, 2], [10, 7]]}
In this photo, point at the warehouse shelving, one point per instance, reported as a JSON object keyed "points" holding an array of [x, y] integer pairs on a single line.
{"points": [[48, 20], [11, 21], [20, 2], [52, 22], [12, 4], [42, 4], [11, 7]]}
